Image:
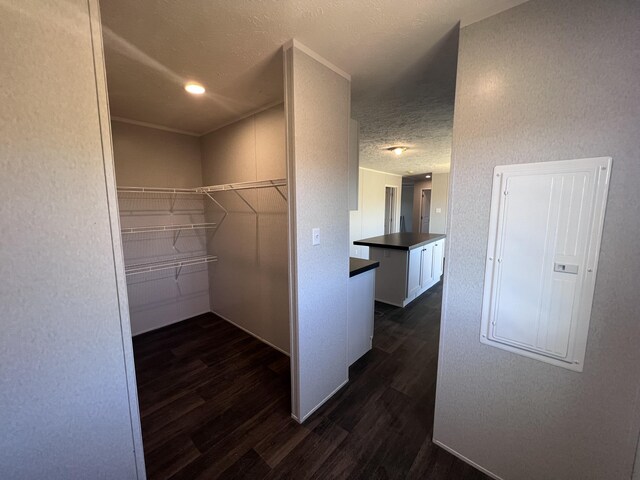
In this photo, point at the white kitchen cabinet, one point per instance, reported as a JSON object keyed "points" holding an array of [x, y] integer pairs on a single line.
{"points": [[360, 307], [410, 264], [414, 275], [431, 265]]}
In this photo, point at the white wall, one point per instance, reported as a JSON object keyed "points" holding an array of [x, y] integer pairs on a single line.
{"points": [[368, 220], [149, 157], [317, 107], [439, 203], [249, 282], [545, 81], [67, 386]]}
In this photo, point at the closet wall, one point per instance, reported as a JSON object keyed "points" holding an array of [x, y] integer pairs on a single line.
{"points": [[149, 157], [249, 282]]}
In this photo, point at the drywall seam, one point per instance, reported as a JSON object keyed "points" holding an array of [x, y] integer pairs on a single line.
{"points": [[250, 333], [295, 43], [466, 460], [153, 125], [114, 223]]}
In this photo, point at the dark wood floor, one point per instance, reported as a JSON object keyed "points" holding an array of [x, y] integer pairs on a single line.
{"points": [[215, 404]]}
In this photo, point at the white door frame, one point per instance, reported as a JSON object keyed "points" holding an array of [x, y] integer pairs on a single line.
{"points": [[422, 190], [393, 227]]}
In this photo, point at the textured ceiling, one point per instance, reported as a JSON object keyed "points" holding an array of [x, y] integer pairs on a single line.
{"points": [[400, 53]]}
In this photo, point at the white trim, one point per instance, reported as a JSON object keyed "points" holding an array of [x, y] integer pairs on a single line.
{"points": [[303, 48], [104, 124], [466, 460], [287, 66], [397, 207], [324, 400], [380, 171], [152, 125], [422, 190], [247, 115], [250, 333]]}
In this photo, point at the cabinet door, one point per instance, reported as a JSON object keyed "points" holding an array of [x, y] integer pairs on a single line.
{"points": [[415, 269], [438, 251], [427, 274]]}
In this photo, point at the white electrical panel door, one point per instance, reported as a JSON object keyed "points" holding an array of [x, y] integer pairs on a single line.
{"points": [[544, 239]]}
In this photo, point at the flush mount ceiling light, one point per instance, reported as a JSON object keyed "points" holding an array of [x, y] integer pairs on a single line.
{"points": [[194, 88], [397, 150], [427, 176]]}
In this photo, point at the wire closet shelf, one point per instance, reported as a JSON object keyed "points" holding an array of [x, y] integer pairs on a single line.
{"points": [[167, 264], [178, 264], [280, 182]]}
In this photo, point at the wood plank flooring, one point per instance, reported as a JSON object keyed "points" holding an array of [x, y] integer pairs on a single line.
{"points": [[215, 403]]}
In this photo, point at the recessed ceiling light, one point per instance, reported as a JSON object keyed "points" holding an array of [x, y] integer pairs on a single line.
{"points": [[194, 88], [397, 150], [427, 176]]}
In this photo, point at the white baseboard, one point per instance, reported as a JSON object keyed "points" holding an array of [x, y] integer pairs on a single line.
{"points": [[321, 403], [173, 322], [251, 333], [466, 460]]}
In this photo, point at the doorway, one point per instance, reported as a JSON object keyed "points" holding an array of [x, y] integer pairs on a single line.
{"points": [[425, 210], [390, 209]]}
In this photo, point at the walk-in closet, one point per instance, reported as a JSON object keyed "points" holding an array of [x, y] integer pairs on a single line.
{"points": [[238, 316], [203, 206]]}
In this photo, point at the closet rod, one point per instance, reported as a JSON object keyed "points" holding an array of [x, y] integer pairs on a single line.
{"points": [[187, 191], [168, 228], [244, 185]]}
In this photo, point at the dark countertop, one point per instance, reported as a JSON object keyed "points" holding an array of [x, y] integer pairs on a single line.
{"points": [[400, 241], [360, 265]]}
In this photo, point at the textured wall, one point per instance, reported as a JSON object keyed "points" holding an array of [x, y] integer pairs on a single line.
{"points": [[547, 80], [318, 101], [63, 387], [368, 220], [439, 199], [249, 282], [148, 157]]}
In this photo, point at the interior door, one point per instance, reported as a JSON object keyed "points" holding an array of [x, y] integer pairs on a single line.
{"points": [[425, 210], [546, 222], [389, 210]]}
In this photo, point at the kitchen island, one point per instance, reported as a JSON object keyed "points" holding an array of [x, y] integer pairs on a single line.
{"points": [[410, 264]]}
